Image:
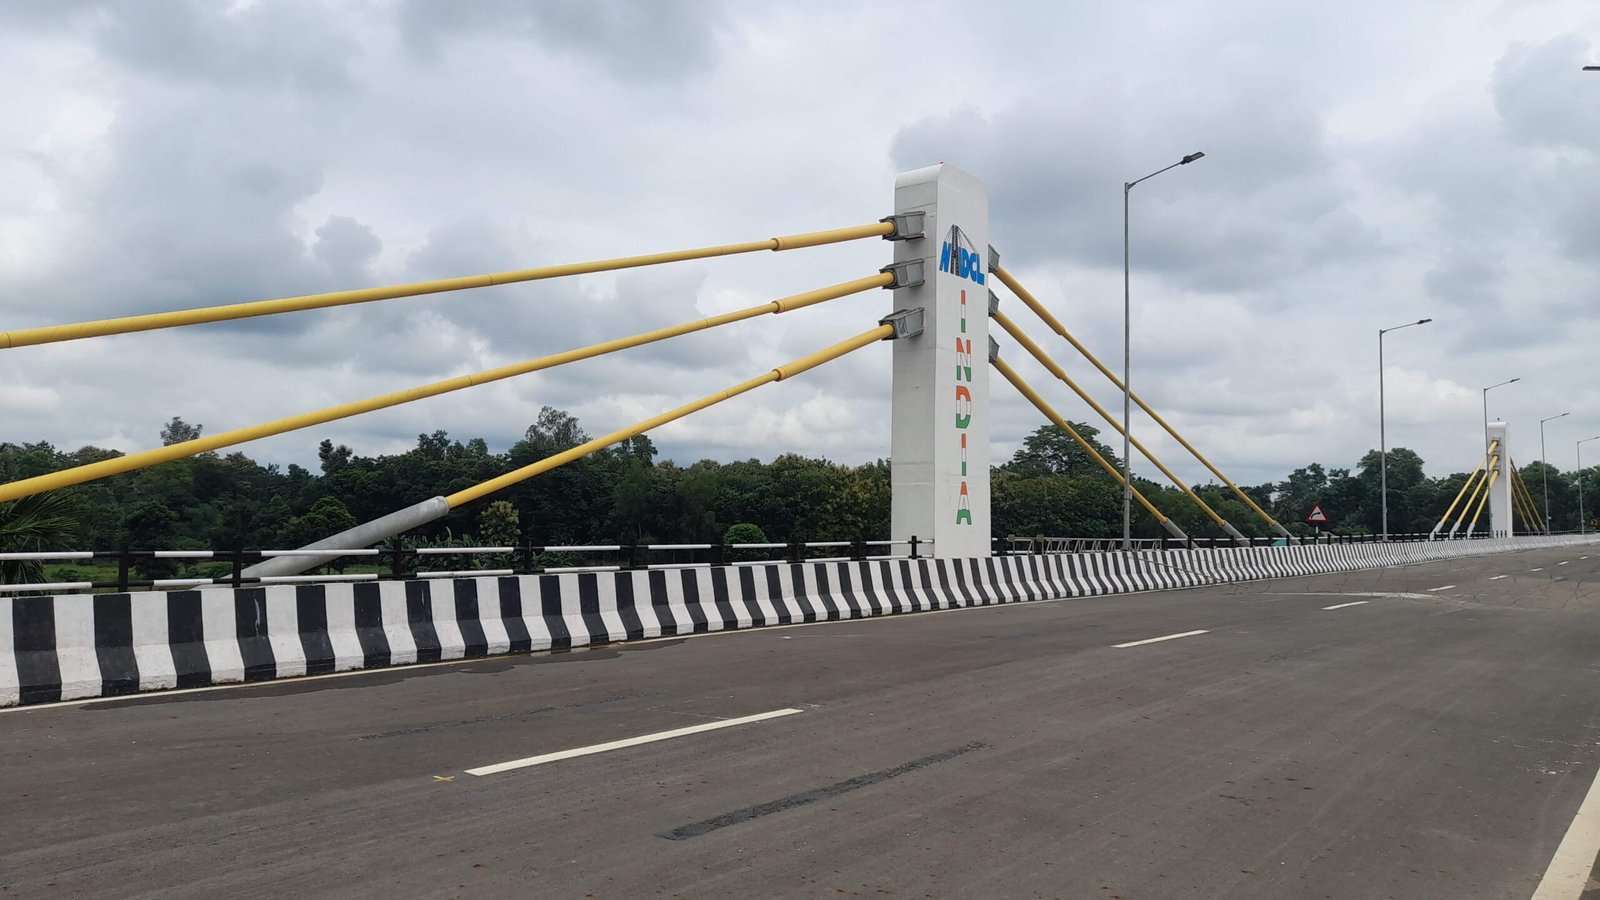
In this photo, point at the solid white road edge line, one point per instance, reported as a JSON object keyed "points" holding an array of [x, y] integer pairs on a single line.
{"points": [[629, 742], [1169, 637], [1343, 605], [1569, 870]]}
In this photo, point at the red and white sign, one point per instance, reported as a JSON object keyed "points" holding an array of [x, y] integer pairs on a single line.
{"points": [[1316, 516]]}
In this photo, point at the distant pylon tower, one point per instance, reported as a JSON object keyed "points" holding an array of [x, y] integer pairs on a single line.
{"points": [[1500, 524]]}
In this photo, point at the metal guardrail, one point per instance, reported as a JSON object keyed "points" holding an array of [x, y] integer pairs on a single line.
{"points": [[403, 563], [1044, 544]]}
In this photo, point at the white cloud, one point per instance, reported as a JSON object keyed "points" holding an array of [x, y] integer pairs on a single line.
{"points": [[25, 399], [1444, 164]]}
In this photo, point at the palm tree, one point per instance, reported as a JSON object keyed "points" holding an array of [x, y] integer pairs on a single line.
{"points": [[41, 522]]}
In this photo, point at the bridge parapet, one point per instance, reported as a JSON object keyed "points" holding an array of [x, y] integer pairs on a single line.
{"points": [[65, 647]]}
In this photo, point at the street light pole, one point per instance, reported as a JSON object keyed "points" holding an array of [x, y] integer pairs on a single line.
{"points": [[1582, 523], [1127, 345], [1383, 440], [1486, 416], [1544, 469]]}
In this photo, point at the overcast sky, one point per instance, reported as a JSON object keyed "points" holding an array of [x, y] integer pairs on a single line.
{"points": [[1367, 164]]}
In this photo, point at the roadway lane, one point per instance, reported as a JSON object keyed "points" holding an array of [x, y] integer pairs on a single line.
{"points": [[1424, 743]]}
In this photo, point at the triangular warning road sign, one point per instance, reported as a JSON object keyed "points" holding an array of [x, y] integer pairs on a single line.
{"points": [[1316, 516]]}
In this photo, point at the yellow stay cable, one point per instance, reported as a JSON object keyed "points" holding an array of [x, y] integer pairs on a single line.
{"points": [[1488, 488], [104, 468], [1471, 480], [1056, 370], [1049, 412], [1038, 308], [151, 321], [787, 370]]}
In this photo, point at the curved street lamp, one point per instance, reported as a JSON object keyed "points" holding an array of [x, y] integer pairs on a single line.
{"points": [[1383, 441], [1544, 469], [1582, 524], [1486, 416], [1127, 429]]}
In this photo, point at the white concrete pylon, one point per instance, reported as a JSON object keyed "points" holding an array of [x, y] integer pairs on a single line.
{"points": [[1500, 508], [939, 441]]}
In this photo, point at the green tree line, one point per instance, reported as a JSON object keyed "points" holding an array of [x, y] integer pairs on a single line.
{"points": [[625, 494]]}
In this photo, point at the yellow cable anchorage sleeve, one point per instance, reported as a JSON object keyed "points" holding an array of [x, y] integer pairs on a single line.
{"points": [[1050, 413], [1533, 505], [1056, 370], [1472, 499], [1033, 303], [788, 370], [1519, 510], [1537, 521], [1471, 479], [1488, 484], [1476, 483], [55, 333], [105, 468], [1528, 509]]}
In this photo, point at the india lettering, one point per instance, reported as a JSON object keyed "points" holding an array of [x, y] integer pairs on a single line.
{"points": [[963, 401]]}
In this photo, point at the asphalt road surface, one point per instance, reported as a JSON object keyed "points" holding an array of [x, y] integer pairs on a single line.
{"points": [[1428, 731]]}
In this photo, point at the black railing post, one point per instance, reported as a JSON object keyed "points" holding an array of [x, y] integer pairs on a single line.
{"points": [[397, 567], [719, 554], [238, 565], [124, 558], [914, 543]]}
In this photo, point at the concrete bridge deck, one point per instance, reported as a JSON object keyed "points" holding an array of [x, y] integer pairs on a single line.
{"points": [[1419, 732]]}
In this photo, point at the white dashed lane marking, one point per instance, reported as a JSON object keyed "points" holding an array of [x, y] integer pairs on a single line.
{"points": [[629, 742], [1442, 587], [1496, 577], [1167, 637], [1352, 603]]}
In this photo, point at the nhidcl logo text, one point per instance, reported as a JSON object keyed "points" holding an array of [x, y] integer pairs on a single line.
{"points": [[960, 257]]}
